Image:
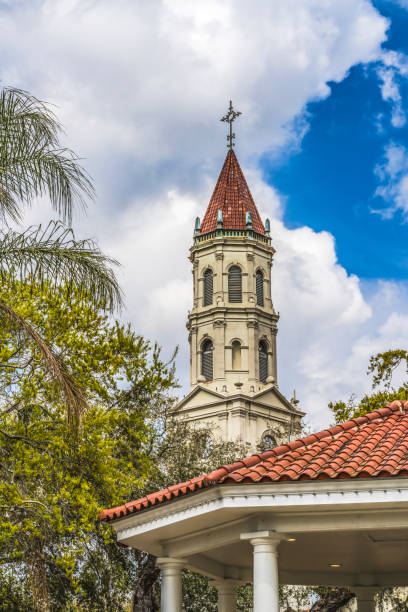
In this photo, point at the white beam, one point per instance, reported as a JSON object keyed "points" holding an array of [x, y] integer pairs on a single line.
{"points": [[206, 566], [203, 540], [212, 569], [330, 520], [341, 579]]}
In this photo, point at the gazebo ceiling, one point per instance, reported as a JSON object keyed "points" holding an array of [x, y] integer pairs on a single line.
{"points": [[331, 558]]}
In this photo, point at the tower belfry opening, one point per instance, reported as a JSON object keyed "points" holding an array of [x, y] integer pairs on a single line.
{"points": [[233, 324]]}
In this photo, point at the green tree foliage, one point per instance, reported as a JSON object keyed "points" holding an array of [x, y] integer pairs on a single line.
{"points": [[381, 367], [179, 453], [34, 164], [54, 480]]}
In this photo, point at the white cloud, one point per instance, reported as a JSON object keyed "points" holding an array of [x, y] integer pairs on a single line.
{"points": [[402, 3], [149, 80], [329, 325], [393, 67], [393, 173], [140, 86]]}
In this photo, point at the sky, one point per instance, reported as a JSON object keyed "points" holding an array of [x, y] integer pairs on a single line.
{"points": [[323, 141]]}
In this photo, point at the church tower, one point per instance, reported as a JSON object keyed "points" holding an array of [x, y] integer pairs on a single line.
{"points": [[233, 324]]}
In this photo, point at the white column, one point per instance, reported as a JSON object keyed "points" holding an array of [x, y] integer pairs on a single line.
{"points": [[170, 598], [266, 578], [227, 594], [365, 598]]}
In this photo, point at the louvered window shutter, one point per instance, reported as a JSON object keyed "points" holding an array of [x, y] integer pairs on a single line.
{"points": [[263, 361], [234, 284], [207, 360], [208, 287], [259, 288]]}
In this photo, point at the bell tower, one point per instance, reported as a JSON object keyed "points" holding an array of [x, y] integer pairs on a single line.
{"points": [[233, 324]]}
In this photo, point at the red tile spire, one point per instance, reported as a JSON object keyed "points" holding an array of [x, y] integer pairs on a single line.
{"points": [[231, 196]]}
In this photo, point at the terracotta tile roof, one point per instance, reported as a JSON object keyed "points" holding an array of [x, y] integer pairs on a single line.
{"points": [[232, 196], [371, 446]]}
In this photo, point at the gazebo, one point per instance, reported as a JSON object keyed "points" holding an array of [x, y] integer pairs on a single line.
{"points": [[328, 509]]}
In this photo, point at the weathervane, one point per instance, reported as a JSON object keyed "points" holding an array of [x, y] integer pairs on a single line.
{"points": [[229, 118]]}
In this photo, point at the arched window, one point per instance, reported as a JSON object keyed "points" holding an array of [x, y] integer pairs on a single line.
{"points": [[208, 287], [268, 441], [207, 359], [263, 361], [234, 284], [259, 288], [236, 355]]}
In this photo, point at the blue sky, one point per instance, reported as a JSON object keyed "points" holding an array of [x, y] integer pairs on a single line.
{"points": [[330, 183], [323, 140]]}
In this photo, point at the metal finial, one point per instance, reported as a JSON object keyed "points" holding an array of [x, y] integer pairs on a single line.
{"points": [[230, 118], [294, 399]]}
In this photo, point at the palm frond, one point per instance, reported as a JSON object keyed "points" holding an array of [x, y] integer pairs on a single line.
{"points": [[32, 163], [8, 205], [53, 254], [72, 393]]}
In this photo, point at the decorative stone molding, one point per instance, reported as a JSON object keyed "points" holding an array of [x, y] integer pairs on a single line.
{"points": [[237, 263], [336, 494], [250, 257], [253, 324], [219, 255], [219, 323]]}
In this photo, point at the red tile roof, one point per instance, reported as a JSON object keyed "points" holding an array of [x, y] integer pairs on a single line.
{"points": [[371, 446], [232, 196]]}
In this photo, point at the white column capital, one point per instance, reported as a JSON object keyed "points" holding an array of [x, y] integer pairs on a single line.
{"points": [[227, 594], [269, 540], [170, 563], [365, 597], [171, 596]]}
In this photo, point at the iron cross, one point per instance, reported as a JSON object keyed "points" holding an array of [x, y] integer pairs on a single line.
{"points": [[229, 118]]}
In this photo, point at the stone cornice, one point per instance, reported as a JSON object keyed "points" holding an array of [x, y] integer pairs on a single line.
{"points": [[243, 241], [253, 405], [275, 496], [264, 316]]}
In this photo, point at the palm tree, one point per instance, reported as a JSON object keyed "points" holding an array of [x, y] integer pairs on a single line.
{"points": [[33, 164]]}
